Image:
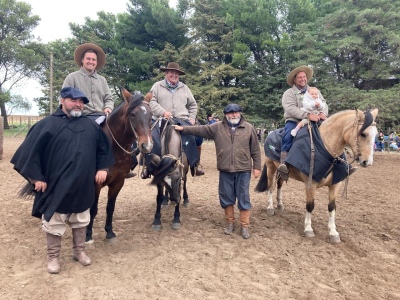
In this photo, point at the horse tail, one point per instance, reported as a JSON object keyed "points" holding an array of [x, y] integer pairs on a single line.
{"points": [[262, 184], [26, 191], [163, 169]]}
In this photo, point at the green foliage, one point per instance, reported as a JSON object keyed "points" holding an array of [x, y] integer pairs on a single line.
{"points": [[232, 51]]}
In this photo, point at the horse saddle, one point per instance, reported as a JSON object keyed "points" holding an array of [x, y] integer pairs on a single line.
{"points": [[299, 155]]}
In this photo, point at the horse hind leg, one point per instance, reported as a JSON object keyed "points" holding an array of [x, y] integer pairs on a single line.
{"points": [[185, 195], [93, 214]]}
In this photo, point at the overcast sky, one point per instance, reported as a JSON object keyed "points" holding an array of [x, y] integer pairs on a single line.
{"points": [[55, 16]]}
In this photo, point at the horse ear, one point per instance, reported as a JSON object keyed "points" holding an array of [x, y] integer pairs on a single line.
{"points": [[374, 112], [125, 94], [148, 97]]}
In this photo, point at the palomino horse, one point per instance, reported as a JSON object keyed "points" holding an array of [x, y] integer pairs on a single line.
{"points": [[353, 128], [169, 171], [130, 121]]}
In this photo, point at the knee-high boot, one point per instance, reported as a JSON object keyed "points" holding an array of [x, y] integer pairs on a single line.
{"points": [[78, 240], [198, 169], [53, 253], [244, 223], [283, 169], [230, 219]]}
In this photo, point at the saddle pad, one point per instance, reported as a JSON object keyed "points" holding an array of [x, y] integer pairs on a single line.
{"points": [[300, 154]]}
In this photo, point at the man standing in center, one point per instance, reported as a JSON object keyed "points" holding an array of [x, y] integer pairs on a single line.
{"points": [[173, 99], [238, 153]]}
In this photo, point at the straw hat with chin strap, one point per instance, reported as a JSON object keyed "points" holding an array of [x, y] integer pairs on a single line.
{"points": [[309, 73], [173, 66], [81, 49]]}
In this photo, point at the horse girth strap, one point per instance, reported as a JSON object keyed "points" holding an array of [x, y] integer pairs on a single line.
{"points": [[312, 156]]}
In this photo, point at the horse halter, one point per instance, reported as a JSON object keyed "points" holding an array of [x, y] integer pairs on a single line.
{"points": [[358, 133], [134, 151]]}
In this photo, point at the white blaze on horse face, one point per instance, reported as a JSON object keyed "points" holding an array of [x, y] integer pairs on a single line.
{"points": [[143, 109], [372, 134]]}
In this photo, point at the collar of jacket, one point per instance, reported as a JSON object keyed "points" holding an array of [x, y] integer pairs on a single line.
{"points": [[86, 73]]}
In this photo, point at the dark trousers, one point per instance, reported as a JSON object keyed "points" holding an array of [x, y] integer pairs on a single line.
{"points": [[232, 186]]}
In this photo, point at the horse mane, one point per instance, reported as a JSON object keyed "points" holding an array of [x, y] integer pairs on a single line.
{"points": [[167, 133], [368, 118], [136, 99]]}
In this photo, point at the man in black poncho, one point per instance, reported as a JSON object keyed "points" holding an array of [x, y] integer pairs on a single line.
{"points": [[64, 156]]}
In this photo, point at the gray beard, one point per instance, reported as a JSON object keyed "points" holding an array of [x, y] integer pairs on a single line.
{"points": [[233, 121], [75, 113]]}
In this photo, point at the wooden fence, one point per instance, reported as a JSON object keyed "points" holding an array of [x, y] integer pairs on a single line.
{"points": [[23, 120]]}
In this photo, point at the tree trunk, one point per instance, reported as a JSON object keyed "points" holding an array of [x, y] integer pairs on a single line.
{"points": [[4, 115]]}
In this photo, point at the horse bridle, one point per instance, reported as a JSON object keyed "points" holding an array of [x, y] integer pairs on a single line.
{"points": [[134, 151]]}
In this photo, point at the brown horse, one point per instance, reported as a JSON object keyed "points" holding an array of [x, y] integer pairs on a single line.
{"points": [[130, 121], [352, 128]]}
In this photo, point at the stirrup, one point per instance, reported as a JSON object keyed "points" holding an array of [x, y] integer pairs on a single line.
{"points": [[283, 171]]}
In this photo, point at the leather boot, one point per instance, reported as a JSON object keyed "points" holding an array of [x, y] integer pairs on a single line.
{"points": [[230, 219], [352, 169], [199, 168], [244, 223], [283, 169], [78, 240], [53, 253]]}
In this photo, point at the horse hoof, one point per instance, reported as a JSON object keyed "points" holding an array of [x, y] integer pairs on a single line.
{"points": [[176, 226], [270, 211], [186, 204], [89, 242], [309, 234], [280, 207], [156, 227], [112, 240], [335, 239]]}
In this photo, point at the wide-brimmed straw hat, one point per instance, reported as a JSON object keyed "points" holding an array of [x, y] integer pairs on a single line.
{"points": [[173, 66], [81, 49], [309, 73]]}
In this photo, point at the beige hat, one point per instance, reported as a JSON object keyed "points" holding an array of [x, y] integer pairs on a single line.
{"points": [[173, 66], [309, 73], [80, 50]]}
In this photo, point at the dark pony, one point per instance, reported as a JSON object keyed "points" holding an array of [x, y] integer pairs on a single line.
{"points": [[130, 121], [350, 128], [169, 171]]}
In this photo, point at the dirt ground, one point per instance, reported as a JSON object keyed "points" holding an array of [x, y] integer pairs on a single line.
{"points": [[198, 261]]}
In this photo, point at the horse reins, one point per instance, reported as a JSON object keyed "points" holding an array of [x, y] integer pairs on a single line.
{"points": [[134, 133]]}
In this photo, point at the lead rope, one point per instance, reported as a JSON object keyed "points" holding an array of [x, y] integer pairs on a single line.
{"points": [[312, 159]]}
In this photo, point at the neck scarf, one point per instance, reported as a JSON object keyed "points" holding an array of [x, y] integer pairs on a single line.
{"points": [[171, 86]]}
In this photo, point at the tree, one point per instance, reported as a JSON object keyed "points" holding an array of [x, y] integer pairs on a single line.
{"points": [[20, 57]]}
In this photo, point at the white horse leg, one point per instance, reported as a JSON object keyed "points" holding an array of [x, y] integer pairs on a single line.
{"points": [[308, 231], [333, 234], [270, 207]]}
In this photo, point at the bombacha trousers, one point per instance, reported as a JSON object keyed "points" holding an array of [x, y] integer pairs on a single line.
{"points": [[232, 186], [58, 222]]}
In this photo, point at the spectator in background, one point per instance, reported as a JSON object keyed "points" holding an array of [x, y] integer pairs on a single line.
{"points": [[380, 142]]}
